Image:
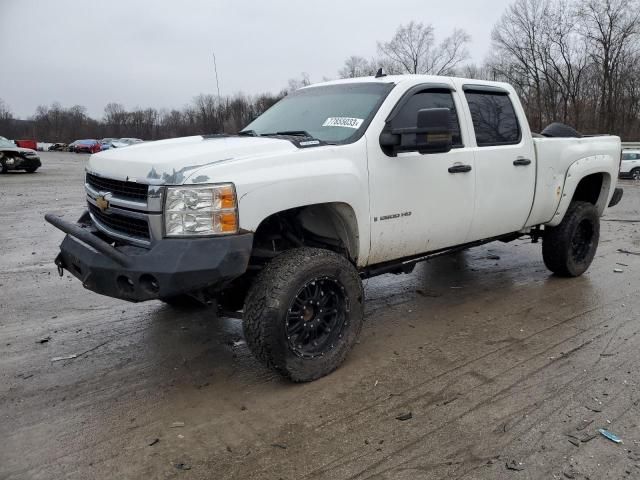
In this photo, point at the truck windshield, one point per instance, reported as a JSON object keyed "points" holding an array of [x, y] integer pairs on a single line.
{"points": [[332, 113]]}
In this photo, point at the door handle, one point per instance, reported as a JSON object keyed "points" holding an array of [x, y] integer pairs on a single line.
{"points": [[459, 168], [521, 162]]}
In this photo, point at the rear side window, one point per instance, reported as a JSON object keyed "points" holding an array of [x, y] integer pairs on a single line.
{"points": [[408, 115], [630, 156], [494, 118]]}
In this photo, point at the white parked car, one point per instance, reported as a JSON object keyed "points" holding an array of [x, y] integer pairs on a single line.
{"points": [[124, 142], [630, 165], [335, 183]]}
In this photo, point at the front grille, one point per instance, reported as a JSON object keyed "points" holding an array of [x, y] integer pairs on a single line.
{"points": [[134, 227], [118, 188]]}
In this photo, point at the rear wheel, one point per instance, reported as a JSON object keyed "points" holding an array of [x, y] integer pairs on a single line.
{"points": [[304, 313], [635, 173], [569, 248]]}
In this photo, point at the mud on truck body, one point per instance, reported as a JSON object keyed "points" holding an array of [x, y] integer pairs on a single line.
{"points": [[337, 182]]}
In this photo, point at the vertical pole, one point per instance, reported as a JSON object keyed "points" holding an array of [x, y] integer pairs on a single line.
{"points": [[215, 67]]}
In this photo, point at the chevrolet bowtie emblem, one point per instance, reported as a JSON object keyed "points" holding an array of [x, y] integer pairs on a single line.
{"points": [[102, 202]]}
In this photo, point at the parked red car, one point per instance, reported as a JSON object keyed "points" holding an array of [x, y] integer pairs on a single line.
{"points": [[87, 146], [32, 144]]}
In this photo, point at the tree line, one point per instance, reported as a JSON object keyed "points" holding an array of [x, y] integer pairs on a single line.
{"points": [[572, 61]]}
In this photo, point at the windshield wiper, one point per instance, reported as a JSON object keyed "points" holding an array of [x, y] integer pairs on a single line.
{"points": [[248, 133], [294, 133]]}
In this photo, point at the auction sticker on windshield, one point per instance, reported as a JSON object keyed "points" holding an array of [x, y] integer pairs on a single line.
{"points": [[346, 122]]}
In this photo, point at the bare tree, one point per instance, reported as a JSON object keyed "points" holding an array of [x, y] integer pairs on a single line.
{"points": [[295, 83], [356, 66], [413, 49], [611, 29], [517, 37]]}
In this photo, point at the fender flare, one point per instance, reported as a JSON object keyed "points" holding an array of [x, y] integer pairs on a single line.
{"points": [[575, 173]]}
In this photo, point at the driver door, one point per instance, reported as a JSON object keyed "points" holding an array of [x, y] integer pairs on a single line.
{"points": [[420, 202]]}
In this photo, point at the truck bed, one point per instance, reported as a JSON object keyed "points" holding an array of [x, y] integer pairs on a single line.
{"points": [[554, 160]]}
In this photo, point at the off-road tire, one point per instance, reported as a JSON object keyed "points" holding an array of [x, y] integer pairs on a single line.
{"points": [[273, 292], [568, 249]]}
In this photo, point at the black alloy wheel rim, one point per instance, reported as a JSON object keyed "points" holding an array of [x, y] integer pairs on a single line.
{"points": [[316, 317], [582, 241]]}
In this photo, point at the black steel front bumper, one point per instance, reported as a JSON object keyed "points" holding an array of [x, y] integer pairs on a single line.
{"points": [[169, 267]]}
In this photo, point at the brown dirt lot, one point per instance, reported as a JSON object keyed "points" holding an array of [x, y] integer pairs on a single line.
{"points": [[496, 360]]}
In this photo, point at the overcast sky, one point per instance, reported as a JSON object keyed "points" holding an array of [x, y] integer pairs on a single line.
{"points": [[159, 53]]}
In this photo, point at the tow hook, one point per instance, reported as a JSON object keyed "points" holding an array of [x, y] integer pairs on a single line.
{"points": [[60, 268]]}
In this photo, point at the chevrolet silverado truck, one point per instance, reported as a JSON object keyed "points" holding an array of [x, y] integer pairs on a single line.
{"points": [[338, 182]]}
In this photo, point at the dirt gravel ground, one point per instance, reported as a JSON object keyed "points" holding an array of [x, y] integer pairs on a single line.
{"points": [[507, 372]]}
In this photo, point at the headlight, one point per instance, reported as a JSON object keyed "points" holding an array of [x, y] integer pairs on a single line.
{"points": [[201, 210]]}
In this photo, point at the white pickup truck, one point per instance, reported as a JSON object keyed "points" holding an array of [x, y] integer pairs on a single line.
{"points": [[337, 182]]}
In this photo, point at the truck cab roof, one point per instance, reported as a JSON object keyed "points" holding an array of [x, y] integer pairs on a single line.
{"points": [[410, 79]]}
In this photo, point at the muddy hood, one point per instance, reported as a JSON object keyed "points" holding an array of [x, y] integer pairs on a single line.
{"points": [[174, 161]]}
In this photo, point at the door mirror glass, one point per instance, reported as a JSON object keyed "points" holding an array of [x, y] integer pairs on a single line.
{"points": [[432, 134]]}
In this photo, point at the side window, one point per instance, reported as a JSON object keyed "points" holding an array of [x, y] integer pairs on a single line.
{"points": [[494, 118], [408, 114]]}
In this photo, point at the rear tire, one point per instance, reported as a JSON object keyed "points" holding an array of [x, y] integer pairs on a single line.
{"points": [[304, 312], [635, 173], [568, 249]]}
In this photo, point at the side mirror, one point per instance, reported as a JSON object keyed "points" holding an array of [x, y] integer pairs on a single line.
{"points": [[433, 134]]}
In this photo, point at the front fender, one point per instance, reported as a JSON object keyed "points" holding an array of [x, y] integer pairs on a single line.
{"points": [[334, 174]]}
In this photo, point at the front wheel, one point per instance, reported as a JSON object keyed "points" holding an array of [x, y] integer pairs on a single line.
{"points": [[635, 173], [304, 312], [568, 249]]}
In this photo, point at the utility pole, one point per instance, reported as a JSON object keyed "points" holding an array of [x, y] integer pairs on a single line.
{"points": [[215, 68]]}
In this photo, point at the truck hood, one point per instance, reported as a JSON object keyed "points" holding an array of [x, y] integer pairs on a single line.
{"points": [[174, 161]]}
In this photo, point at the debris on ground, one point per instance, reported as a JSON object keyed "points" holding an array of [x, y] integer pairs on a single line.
{"points": [[44, 340], [427, 293], [77, 355], [177, 424], [584, 425], [66, 357], [153, 442], [493, 257], [182, 466], [514, 465], [611, 436], [405, 416], [570, 473], [628, 252], [618, 270], [574, 441], [279, 445]]}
